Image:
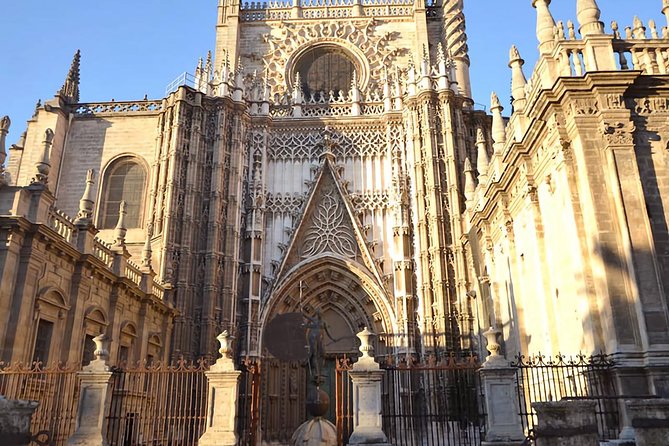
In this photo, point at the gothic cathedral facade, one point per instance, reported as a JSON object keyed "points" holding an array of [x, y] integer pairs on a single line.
{"points": [[328, 157]]}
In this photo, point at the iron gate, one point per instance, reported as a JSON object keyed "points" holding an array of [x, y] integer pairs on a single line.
{"points": [[430, 403], [157, 404]]}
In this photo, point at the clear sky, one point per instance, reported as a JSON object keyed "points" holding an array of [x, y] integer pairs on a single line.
{"points": [[135, 47]]}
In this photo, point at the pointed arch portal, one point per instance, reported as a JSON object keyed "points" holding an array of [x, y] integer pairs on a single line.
{"points": [[347, 296]]}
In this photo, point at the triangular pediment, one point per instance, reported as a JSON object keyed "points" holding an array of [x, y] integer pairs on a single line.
{"points": [[328, 226]]}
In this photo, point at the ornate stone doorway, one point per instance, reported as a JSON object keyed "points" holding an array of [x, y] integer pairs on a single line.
{"points": [[348, 301]]}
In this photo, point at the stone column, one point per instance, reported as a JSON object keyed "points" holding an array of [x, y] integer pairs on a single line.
{"points": [[503, 425], [650, 420], [94, 398], [15, 421], [222, 400], [566, 423], [366, 376]]}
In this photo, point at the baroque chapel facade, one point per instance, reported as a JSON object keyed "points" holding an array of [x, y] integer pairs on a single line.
{"points": [[327, 157]]}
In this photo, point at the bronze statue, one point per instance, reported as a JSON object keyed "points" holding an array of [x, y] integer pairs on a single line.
{"points": [[317, 328]]}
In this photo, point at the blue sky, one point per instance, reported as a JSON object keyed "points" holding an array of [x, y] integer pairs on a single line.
{"points": [[135, 47]]}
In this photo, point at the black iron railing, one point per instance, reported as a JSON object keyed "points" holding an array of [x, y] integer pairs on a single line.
{"points": [[433, 403], [157, 404], [542, 378]]}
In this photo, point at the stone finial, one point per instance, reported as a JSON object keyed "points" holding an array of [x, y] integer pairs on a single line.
{"points": [[120, 230], [518, 79], [411, 78], [639, 31], [545, 25], [482, 160], [208, 66], [366, 347], [588, 14], [70, 89], [494, 359], [87, 204], [665, 9], [298, 95], [5, 123], [43, 166], [653, 29], [470, 185], [571, 30], [355, 91], [224, 341], [498, 126], [101, 353], [147, 252]]}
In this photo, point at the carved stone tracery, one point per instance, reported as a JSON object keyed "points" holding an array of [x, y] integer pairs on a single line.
{"points": [[372, 51], [328, 231]]}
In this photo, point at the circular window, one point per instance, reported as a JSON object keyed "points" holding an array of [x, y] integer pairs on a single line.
{"points": [[325, 68]]}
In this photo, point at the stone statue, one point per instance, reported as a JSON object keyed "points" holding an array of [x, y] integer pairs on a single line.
{"points": [[317, 328]]}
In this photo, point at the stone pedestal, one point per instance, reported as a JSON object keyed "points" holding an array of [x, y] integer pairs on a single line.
{"points": [[503, 425], [366, 376], [566, 423], [222, 400], [650, 420], [15, 421], [93, 398]]}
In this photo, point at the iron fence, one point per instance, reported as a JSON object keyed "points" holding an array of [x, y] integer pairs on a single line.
{"points": [[55, 387], [248, 402], [156, 404], [344, 401], [438, 402], [542, 378]]}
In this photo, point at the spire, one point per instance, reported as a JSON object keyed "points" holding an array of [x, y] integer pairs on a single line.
{"points": [[518, 80], [43, 166], [70, 89], [86, 204], [498, 127], [588, 14], [545, 25], [482, 160], [442, 71], [120, 230], [470, 186], [456, 43], [5, 123], [411, 78]]}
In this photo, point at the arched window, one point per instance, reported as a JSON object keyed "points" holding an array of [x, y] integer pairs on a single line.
{"points": [[125, 180], [325, 68]]}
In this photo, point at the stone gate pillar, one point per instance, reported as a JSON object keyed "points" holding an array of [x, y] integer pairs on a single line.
{"points": [[366, 376], [222, 400], [93, 398], [501, 397]]}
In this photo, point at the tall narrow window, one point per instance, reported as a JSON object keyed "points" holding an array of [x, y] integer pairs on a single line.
{"points": [[43, 341], [125, 180]]}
